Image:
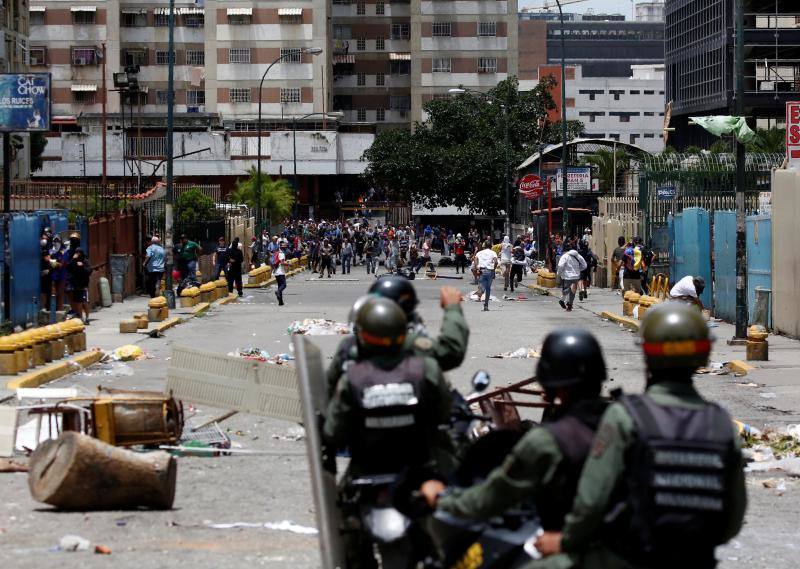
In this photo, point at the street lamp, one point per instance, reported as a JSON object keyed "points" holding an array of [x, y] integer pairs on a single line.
{"points": [[309, 50], [506, 182], [331, 115], [564, 177]]}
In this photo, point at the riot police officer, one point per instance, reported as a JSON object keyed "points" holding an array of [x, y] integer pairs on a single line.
{"points": [[387, 408], [545, 465], [664, 483], [448, 349]]}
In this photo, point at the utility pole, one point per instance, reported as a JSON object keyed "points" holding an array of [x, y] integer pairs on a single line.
{"points": [[169, 294], [741, 251], [564, 178], [506, 182], [104, 122]]}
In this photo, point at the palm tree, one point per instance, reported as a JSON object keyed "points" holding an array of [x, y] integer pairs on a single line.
{"points": [[603, 160], [276, 196], [769, 141]]}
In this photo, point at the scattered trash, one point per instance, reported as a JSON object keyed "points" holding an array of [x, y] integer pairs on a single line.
{"points": [[11, 465], [519, 353], [292, 434], [102, 549], [260, 355], [749, 384], [285, 525], [768, 395], [318, 327], [73, 543], [479, 298], [210, 436], [793, 431], [714, 368], [127, 353], [789, 465]]}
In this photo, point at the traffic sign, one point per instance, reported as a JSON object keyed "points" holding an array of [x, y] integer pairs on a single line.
{"points": [[793, 133], [530, 186]]}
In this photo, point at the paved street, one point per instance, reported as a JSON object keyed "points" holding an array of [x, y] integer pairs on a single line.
{"points": [[275, 487]]}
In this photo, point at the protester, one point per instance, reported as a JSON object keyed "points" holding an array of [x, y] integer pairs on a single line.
{"points": [[46, 266], [631, 263], [569, 270], [487, 263], [689, 289], [59, 272], [585, 280], [518, 264], [154, 266], [326, 258], [233, 272], [279, 270], [369, 256], [255, 252], [190, 252], [616, 264], [347, 256], [79, 271], [219, 257]]}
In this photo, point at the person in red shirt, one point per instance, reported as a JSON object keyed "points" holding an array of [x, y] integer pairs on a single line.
{"points": [[461, 258]]}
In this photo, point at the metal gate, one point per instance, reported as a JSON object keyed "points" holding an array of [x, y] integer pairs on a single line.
{"points": [[690, 249], [759, 259], [24, 233], [724, 291]]}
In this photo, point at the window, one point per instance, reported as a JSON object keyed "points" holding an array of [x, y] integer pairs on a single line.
{"points": [[38, 55], [134, 57], [293, 54], [661, 92], [401, 31], [162, 98], [162, 57], [290, 95], [649, 92], [161, 20], [361, 44], [624, 118], [84, 17], [487, 65], [85, 97], [195, 98], [239, 95], [634, 138], [84, 56], [134, 20], [441, 65], [380, 8], [239, 19], [616, 94], [592, 93], [649, 114], [361, 79], [635, 92], [342, 32], [400, 67], [291, 19], [195, 57], [37, 18], [194, 20], [380, 79], [442, 29], [399, 102], [649, 135], [361, 115], [380, 115], [380, 44], [361, 8], [614, 136], [487, 29], [239, 55]]}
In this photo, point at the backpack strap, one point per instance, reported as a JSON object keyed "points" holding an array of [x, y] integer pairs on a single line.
{"points": [[639, 408]]}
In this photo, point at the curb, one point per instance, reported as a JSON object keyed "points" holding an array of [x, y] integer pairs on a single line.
{"points": [[167, 324], [202, 307], [55, 370], [629, 323]]}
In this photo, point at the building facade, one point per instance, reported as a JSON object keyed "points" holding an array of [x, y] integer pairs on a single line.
{"points": [[700, 62]]}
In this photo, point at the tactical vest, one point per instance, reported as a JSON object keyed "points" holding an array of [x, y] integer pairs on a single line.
{"points": [[391, 419], [678, 490], [573, 433]]}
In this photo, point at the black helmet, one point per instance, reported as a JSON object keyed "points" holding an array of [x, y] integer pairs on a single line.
{"points": [[380, 326], [570, 357], [398, 289], [674, 335], [360, 301]]}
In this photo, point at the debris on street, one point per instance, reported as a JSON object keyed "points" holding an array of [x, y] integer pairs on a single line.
{"points": [[773, 450], [73, 543], [260, 355], [102, 550], [11, 465], [78, 472], [519, 353], [293, 434], [127, 353], [318, 327], [284, 525]]}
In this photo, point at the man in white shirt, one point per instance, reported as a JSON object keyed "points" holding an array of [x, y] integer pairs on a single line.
{"points": [[689, 288], [279, 270], [570, 266], [487, 263]]}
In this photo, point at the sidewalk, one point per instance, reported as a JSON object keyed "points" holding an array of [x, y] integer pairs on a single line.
{"points": [[767, 395]]}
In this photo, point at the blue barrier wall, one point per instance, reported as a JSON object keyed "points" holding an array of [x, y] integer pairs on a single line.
{"points": [[24, 233], [725, 265], [691, 247], [759, 259]]}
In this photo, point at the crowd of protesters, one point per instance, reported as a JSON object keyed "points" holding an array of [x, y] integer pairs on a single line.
{"points": [[64, 273]]}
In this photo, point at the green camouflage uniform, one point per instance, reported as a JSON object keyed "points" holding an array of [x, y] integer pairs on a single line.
{"points": [[605, 470]]}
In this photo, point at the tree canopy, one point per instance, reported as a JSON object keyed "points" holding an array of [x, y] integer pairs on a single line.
{"points": [[193, 206], [277, 197], [467, 148]]}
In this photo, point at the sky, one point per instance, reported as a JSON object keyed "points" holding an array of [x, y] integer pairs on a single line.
{"points": [[606, 6]]}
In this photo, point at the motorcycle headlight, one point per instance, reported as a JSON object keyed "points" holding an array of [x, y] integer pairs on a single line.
{"points": [[386, 524]]}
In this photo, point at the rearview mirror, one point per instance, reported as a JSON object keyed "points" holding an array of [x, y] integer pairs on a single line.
{"points": [[481, 381]]}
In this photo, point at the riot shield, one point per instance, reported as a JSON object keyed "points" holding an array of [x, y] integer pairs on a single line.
{"points": [[314, 400]]}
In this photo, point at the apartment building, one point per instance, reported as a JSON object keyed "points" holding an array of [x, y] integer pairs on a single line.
{"points": [[14, 32], [221, 51]]}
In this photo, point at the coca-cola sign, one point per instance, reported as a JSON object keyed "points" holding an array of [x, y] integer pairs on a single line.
{"points": [[530, 186]]}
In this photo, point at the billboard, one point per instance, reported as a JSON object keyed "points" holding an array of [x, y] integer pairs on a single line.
{"points": [[579, 180], [24, 102]]}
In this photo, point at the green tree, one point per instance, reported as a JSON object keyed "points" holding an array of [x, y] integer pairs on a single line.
{"points": [[603, 160], [467, 148], [769, 141], [193, 206], [277, 196]]}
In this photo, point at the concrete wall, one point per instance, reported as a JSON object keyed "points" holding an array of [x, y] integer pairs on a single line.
{"points": [[785, 255]]}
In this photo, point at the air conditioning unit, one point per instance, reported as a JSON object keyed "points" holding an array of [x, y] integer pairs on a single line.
{"points": [[80, 61]]}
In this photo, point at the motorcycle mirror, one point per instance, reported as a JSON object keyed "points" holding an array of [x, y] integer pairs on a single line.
{"points": [[481, 381]]}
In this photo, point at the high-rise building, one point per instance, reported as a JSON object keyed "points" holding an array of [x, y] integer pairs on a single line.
{"points": [[650, 11], [700, 62], [14, 30]]}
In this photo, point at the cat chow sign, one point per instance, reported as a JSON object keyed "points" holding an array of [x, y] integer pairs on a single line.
{"points": [[793, 133]]}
